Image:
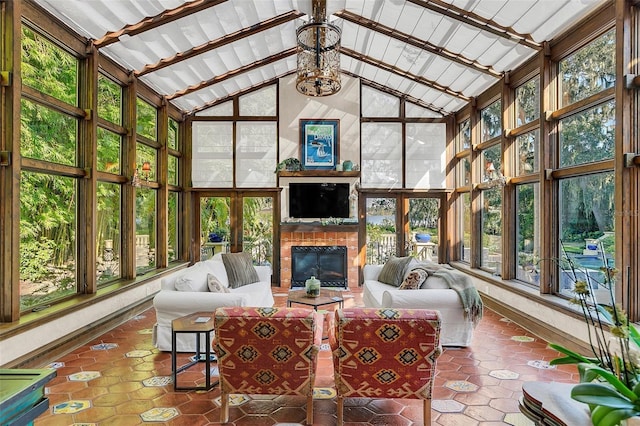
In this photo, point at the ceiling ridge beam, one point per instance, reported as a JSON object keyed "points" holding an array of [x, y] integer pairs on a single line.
{"points": [[416, 42], [222, 41], [403, 73], [475, 20], [399, 94], [232, 73], [156, 21]]}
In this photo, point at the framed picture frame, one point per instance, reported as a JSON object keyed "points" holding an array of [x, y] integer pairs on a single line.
{"points": [[319, 144]]}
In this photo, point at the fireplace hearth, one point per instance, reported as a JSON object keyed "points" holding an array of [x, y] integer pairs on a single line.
{"points": [[327, 263]]}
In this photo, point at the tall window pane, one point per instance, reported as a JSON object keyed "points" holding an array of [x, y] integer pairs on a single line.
{"points": [[492, 162], [108, 232], [48, 217], [588, 136], [528, 152], [528, 233], [491, 121], [146, 214], [528, 102], [256, 154], [172, 173], [173, 135], [212, 154], [146, 162], [47, 135], [464, 171], [381, 155], [147, 120], [465, 220], [109, 144], [109, 100], [589, 70], [257, 232], [464, 135], [587, 218], [61, 77], [492, 229], [381, 229], [172, 222], [425, 162]]}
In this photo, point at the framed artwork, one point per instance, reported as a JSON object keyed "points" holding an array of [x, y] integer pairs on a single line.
{"points": [[319, 144]]}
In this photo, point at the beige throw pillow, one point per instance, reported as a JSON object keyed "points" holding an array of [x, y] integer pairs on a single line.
{"points": [[214, 284], [240, 270]]}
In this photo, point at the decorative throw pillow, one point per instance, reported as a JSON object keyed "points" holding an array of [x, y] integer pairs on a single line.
{"points": [[215, 286], [192, 279], [393, 271], [240, 270], [414, 280]]}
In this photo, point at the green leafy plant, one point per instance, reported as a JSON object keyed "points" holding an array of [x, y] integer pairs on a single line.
{"points": [[289, 164], [610, 379]]}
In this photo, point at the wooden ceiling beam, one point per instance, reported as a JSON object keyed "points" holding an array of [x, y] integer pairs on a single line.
{"points": [[403, 73], [416, 42], [222, 41], [477, 21], [232, 73], [156, 21]]}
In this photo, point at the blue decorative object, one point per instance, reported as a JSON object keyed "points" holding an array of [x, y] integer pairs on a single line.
{"points": [[215, 238], [423, 238]]}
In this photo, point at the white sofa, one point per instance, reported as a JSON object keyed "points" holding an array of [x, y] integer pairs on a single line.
{"points": [[457, 329], [171, 303]]}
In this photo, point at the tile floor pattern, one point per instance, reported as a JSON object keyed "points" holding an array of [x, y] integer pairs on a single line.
{"points": [[121, 379]]}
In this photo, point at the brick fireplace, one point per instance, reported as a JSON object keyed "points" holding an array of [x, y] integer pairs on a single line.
{"points": [[310, 235]]}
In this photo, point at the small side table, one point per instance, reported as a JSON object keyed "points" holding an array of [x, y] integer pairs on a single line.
{"points": [[200, 323]]}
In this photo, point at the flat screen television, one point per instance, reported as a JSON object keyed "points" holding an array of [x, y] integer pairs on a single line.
{"points": [[318, 200]]}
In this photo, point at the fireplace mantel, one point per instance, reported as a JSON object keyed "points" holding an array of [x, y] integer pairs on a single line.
{"points": [[317, 227], [319, 173]]}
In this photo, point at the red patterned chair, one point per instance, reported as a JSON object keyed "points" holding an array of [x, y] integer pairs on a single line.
{"points": [[269, 351], [385, 353]]}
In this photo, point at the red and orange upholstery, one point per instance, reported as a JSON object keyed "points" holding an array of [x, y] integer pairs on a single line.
{"points": [[269, 351], [385, 353]]}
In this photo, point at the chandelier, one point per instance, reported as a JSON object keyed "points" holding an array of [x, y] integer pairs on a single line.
{"points": [[318, 55]]}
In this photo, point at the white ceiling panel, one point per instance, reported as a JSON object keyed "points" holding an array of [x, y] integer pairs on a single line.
{"points": [[140, 49]]}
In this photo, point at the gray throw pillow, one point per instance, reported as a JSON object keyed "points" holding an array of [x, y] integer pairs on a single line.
{"points": [[240, 270], [393, 271]]}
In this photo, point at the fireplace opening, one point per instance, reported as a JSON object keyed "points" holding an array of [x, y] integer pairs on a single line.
{"points": [[326, 263]]}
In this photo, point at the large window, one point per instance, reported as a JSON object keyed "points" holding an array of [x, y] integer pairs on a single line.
{"points": [[528, 233], [586, 139], [49, 190], [108, 192]]}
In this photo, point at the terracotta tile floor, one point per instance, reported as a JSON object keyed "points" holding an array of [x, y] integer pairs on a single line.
{"points": [[121, 379]]}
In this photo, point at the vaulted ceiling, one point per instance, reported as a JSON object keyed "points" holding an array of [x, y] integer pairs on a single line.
{"points": [[434, 53]]}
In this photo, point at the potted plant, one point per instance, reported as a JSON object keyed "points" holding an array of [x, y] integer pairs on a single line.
{"points": [[610, 380], [290, 164]]}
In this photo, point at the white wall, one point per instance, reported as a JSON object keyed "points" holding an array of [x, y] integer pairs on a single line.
{"points": [[344, 106]]}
